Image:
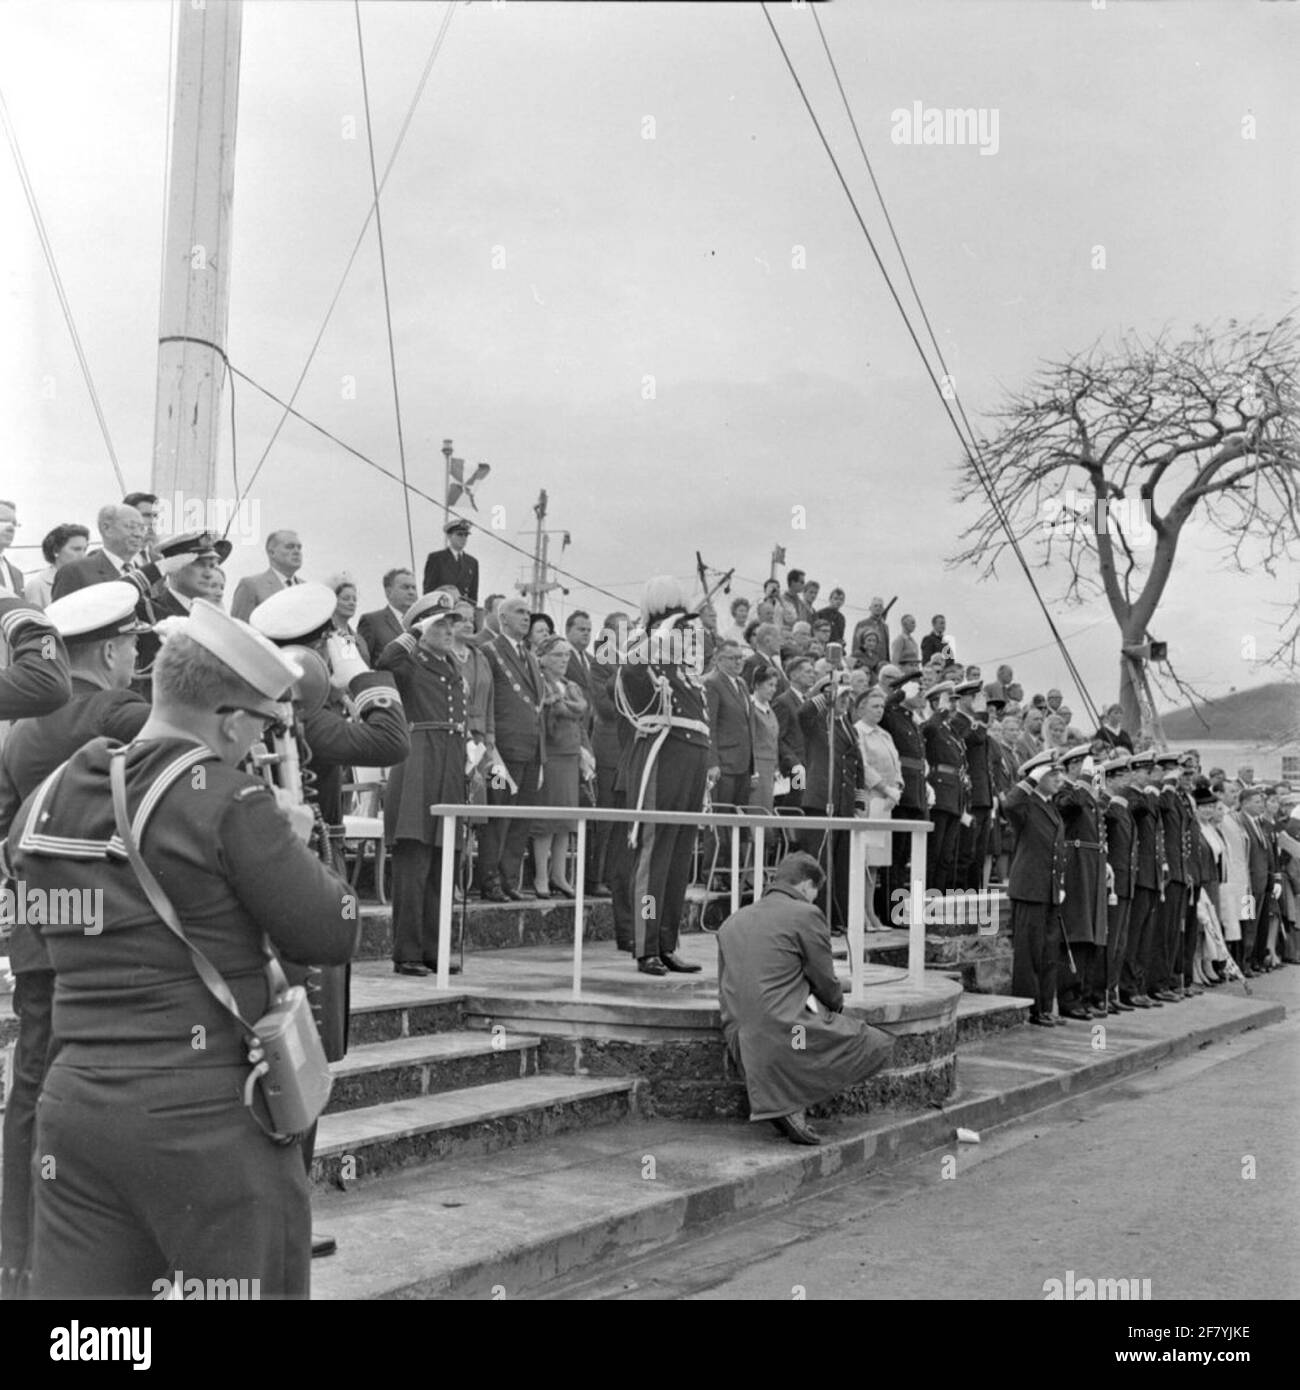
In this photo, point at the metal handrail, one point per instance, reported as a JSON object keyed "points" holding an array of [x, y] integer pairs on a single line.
{"points": [[855, 827]]}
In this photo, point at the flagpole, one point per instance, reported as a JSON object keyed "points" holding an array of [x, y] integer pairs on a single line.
{"points": [[446, 481]]}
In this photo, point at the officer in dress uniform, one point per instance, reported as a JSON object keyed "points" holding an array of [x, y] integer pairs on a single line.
{"points": [[159, 1163], [945, 754], [661, 695], [98, 631], [454, 566], [969, 723], [1036, 883], [1083, 912], [360, 722], [172, 596], [899, 722], [34, 675], [1193, 864], [1143, 951], [1121, 857], [1174, 817], [433, 692]]}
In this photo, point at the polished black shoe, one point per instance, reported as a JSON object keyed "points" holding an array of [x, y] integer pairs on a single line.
{"points": [[322, 1245], [1136, 1001], [513, 894], [409, 967], [1193, 991], [432, 967], [797, 1129], [651, 965], [598, 890], [1121, 1006], [1075, 1011], [494, 893], [1042, 1020], [679, 966], [1167, 996]]}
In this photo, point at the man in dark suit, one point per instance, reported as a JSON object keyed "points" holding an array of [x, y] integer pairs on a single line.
{"points": [[1036, 884], [935, 641], [766, 642], [122, 531], [791, 751], [11, 578], [1260, 872], [837, 789], [1121, 859], [453, 566], [610, 862], [382, 626], [284, 553], [731, 729], [517, 690]]}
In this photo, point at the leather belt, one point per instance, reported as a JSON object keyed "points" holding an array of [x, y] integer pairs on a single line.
{"points": [[436, 726], [913, 764], [1083, 844], [945, 767]]}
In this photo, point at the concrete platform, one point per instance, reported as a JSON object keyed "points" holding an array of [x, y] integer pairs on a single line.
{"points": [[507, 1224]]}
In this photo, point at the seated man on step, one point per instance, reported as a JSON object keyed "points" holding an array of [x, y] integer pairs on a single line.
{"points": [[781, 1004]]}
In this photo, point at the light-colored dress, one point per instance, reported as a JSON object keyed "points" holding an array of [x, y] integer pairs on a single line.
{"points": [[766, 739]]}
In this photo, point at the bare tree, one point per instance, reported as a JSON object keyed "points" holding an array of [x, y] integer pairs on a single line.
{"points": [[1103, 459]]}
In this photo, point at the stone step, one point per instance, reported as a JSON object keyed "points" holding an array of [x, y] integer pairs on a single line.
{"points": [[533, 922], [354, 1145], [979, 1015], [429, 1064]]}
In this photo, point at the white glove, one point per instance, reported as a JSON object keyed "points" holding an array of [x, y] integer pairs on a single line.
{"points": [[345, 661], [301, 818], [167, 626]]}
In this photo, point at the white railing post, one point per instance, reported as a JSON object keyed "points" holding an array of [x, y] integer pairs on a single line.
{"points": [[916, 914], [758, 859], [735, 868], [579, 902], [445, 909], [857, 909]]}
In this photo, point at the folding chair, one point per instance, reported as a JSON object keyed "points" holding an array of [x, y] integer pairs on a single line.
{"points": [[364, 825]]}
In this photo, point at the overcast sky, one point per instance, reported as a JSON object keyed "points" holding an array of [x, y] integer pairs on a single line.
{"points": [[776, 387]]}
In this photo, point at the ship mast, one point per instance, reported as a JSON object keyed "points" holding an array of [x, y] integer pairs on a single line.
{"points": [[195, 303]]}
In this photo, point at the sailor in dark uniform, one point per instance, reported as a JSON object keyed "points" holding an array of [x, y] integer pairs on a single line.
{"points": [[1036, 883], [1121, 857], [1174, 818], [433, 693], [159, 1163], [945, 754], [660, 693], [1083, 912], [353, 718], [898, 722], [93, 655], [1138, 976], [969, 722]]}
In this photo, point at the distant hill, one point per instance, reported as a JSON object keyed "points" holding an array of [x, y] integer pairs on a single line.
{"points": [[1268, 714]]}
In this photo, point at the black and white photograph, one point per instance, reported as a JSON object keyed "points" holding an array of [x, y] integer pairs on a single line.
{"points": [[650, 652]]}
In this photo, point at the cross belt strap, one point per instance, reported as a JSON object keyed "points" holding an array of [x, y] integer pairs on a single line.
{"points": [[161, 904], [1083, 844]]}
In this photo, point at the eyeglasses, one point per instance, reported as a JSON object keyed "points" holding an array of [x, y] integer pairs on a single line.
{"points": [[267, 721]]}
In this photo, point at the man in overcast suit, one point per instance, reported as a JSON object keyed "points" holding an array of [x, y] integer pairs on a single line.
{"points": [[380, 627], [284, 552]]}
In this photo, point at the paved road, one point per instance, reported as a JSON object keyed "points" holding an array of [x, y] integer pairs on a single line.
{"points": [[1187, 1176]]}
